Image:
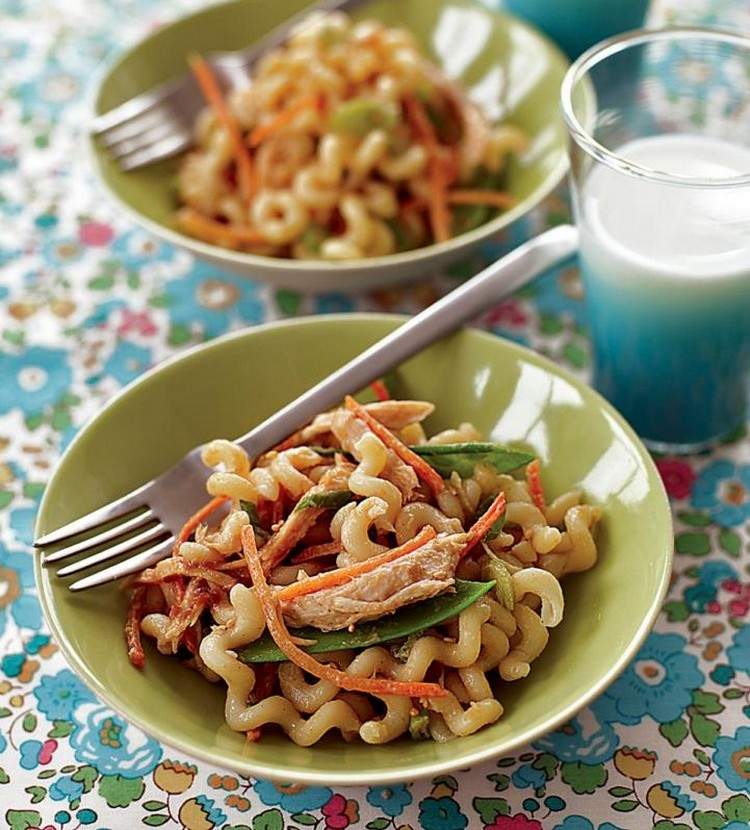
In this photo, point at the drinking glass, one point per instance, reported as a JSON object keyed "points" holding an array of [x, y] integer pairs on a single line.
{"points": [[659, 125]]}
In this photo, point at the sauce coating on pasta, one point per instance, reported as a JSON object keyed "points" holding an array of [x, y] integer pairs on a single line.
{"points": [[347, 143], [344, 525]]}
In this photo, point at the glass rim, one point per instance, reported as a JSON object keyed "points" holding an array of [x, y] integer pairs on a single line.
{"points": [[619, 43]]}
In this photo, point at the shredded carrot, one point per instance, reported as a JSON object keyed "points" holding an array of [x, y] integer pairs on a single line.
{"points": [[380, 390], [136, 610], [197, 518], [481, 527], [214, 97], [286, 116], [330, 579], [423, 470], [425, 133], [283, 639], [316, 552], [217, 233], [534, 481], [494, 198], [177, 566]]}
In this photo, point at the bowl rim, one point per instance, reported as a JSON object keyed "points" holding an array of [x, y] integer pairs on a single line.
{"points": [[305, 776], [242, 261]]}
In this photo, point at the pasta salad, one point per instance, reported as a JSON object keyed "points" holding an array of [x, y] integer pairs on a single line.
{"points": [[366, 579], [346, 143]]}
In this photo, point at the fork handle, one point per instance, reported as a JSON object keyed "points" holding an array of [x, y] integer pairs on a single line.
{"points": [[481, 292]]}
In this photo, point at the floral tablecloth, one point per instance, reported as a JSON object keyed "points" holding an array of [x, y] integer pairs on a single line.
{"points": [[87, 301]]}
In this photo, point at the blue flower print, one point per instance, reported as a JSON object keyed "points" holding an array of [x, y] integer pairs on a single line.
{"points": [[659, 683], [392, 800], [22, 523], [30, 752], [112, 745], [732, 759], [723, 488], [527, 776], [441, 814], [58, 251], [135, 248], [739, 652], [33, 379], [706, 588], [48, 92], [209, 300], [588, 738], [59, 695], [559, 291], [127, 362], [3, 743], [66, 788], [293, 798], [16, 585]]}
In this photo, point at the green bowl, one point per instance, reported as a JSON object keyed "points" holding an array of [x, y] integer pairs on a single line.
{"points": [[512, 69], [510, 393]]}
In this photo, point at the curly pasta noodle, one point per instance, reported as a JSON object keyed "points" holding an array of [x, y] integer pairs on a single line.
{"points": [[328, 122], [395, 542]]}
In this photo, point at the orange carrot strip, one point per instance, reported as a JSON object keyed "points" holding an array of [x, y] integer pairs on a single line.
{"points": [[495, 198], [136, 611], [331, 579], [380, 390], [482, 526], [213, 95], [177, 566], [423, 470], [197, 518], [283, 639], [316, 551], [425, 132], [217, 233], [534, 481], [279, 121]]}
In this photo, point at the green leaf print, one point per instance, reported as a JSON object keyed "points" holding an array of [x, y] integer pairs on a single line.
{"points": [[37, 793], [61, 729], [693, 543], [737, 808], [23, 819], [547, 764], [707, 703], [708, 820], [120, 792], [490, 808], [87, 776], [269, 820], [704, 730], [583, 778], [674, 731], [676, 611], [730, 542], [626, 805]]}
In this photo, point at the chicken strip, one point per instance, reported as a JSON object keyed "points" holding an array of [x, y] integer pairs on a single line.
{"points": [[419, 575], [348, 430], [392, 414]]}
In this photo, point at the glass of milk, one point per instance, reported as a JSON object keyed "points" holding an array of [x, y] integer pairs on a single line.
{"points": [[660, 170]]}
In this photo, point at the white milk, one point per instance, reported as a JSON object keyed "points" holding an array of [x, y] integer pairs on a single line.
{"points": [[636, 228], [667, 275]]}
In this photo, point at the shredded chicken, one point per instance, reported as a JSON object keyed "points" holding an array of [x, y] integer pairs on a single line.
{"points": [[348, 430], [426, 572], [392, 414]]}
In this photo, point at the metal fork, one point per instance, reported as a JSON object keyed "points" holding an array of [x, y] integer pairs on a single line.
{"points": [[166, 501], [159, 123]]}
